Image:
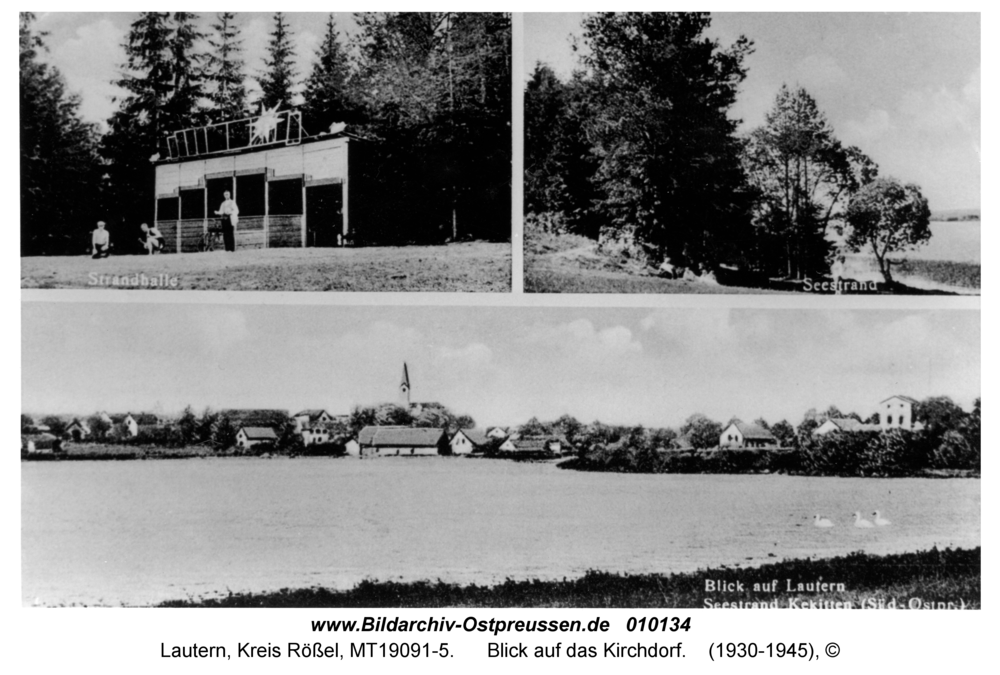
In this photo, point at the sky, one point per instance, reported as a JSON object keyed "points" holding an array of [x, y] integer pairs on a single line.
{"points": [[502, 365], [903, 87], [88, 48]]}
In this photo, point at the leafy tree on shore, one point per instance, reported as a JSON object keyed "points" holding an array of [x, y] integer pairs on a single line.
{"points": [[290, 441], [702, 431], [99, 427], [887, 217], [534, 427], [804, 177], [435, 88], [224, 70], [187, 426], [57, 425], [784, 432], [464, 422], [559, 166], [278, 80], [223, 433], [26, 422], [206, 425]]}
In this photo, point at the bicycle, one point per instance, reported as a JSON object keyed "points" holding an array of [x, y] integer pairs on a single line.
{"points": [[211, 240]]}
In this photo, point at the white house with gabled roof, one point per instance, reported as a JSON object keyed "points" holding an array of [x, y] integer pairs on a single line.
{"points": [[468, 441], [896, 412], [742, 435]]}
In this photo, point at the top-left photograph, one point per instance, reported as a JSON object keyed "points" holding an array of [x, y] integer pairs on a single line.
{"points": [[266, 152]]}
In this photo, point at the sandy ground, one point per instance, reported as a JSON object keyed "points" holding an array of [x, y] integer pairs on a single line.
{"points": [[470, 267], [582, 269]]}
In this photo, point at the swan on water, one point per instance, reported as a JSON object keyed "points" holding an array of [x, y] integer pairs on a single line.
{"points": [[880, 521], [861, 522], [819, 521]]}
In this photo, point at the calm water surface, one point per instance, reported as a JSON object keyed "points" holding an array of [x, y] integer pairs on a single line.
{"points": [[138, 532], [957, 241]]}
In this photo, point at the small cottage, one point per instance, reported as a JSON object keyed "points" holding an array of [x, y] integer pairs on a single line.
{"points": [[497, 432], [249, 437], [78, 430], [468, 441], [742, 435]]}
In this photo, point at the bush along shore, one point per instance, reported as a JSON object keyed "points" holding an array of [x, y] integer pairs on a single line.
{"points": [[894, 454], [934, 579]]}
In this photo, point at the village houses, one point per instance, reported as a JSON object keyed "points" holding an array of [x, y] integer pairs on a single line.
{"points": [[468, 441], [742, 435], [130, 424], [250, 437]]}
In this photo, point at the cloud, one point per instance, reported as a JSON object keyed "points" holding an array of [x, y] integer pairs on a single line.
{"points": [[222, 329], [691, 331], [971, 90], [472, 355], [942, 110], [876, 124], [580, 338], [380, 338], [88, 60], [820, 71]]}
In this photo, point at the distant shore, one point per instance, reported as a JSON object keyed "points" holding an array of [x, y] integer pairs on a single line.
{"points": [[933, 579]]}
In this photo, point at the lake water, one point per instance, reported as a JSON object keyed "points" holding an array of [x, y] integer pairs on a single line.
{"points": [[954, 241], [139, 532]]}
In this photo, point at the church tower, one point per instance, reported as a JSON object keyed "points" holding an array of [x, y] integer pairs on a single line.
{"points": [[404, 389]]}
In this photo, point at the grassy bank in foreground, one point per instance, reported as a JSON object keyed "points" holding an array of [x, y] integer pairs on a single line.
{"points": [[468, 266], [929, 579]]}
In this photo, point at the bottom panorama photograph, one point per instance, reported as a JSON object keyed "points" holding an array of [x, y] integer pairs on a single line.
{"points": [[382, 456]]}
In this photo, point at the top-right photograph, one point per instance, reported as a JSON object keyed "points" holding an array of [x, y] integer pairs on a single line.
{"points": [[823, 153]]}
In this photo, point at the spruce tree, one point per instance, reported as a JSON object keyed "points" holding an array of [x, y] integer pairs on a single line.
{"points": [[225, 70], [669, 158], [162, 78], [277, 81], [137, 129], [59, 166], [326, 95], [183, 109]]}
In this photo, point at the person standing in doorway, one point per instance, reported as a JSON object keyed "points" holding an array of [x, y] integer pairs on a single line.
{"points": [[230, 219]]}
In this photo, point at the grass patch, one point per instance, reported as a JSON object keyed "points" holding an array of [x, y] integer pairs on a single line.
{"points": [[934, 578], [468, 267], [122, 451], [946, 272], [545, 278]]}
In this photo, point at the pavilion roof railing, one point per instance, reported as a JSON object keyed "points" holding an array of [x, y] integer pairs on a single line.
{"points": [[269, 128]]}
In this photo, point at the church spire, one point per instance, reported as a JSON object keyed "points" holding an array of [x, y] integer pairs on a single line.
{"points": [[404, 388]]}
